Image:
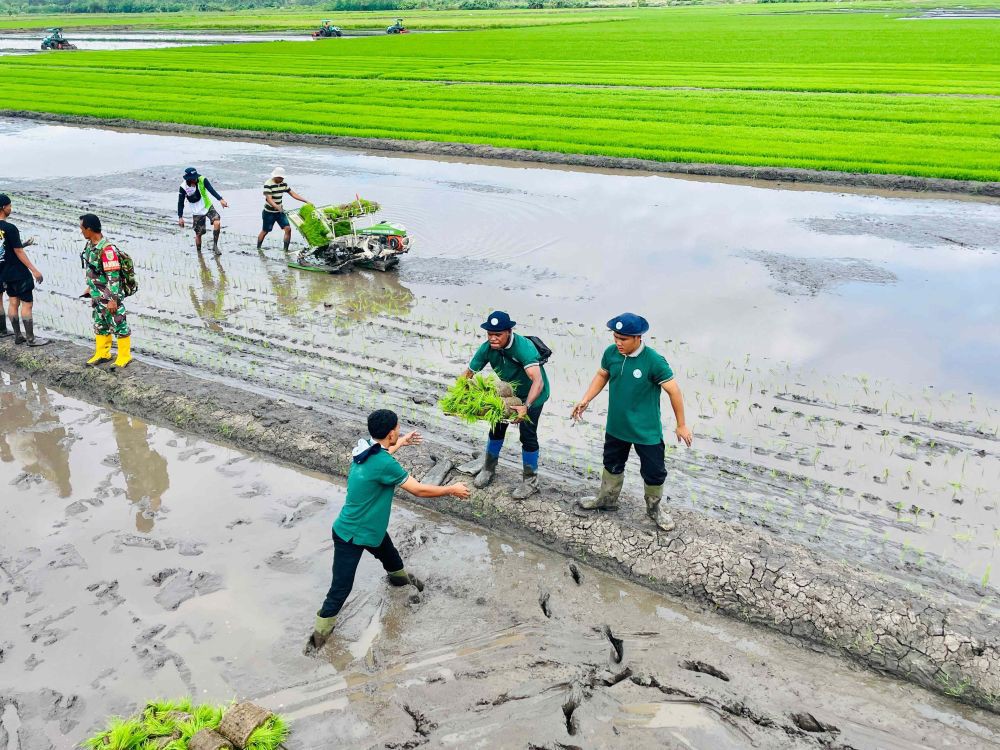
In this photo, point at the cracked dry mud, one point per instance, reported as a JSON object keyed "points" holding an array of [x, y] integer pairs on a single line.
{"points": [[474, 662]]}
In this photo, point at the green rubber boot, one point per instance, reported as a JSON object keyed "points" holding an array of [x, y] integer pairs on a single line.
{"points": [[607, 496], [322, 630], [402, 578], [654, 509]]}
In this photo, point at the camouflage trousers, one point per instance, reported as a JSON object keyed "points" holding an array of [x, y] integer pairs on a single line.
{"points": [[107, 323]]}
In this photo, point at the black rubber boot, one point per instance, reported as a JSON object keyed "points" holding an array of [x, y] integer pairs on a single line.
{"points": [[29, 333], [15, 324], [215, 242], [489, 470], [4, 333], [528, 485]]}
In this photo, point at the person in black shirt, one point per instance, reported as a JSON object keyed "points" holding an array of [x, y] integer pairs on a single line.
{"points": [[19, 276]]}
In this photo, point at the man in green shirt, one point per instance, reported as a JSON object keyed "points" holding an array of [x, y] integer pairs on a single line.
{"points": [[515, 360], [364, 520], [637, 375]]}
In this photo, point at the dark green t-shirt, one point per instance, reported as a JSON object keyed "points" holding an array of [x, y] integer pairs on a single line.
{"points": [[634, 394], [509, 365], [370, 486]]}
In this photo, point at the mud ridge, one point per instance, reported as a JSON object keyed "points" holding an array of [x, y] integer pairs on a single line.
{"points": [[729, 567], [469, 150]]}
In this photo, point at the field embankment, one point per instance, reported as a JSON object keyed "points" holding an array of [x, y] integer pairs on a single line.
{"points": [[869, 93], [732, 568]]}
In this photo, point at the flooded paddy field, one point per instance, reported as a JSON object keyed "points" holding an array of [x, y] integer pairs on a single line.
{"points": [[27, 42], [137, 562], [837, 351]]}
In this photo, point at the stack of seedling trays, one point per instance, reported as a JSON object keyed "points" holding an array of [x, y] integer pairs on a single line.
{"points": [[320, 225], [481, 399], [181, 725]]}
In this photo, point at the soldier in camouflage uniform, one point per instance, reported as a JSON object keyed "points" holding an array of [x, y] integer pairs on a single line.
{"points": [[100, 260]]}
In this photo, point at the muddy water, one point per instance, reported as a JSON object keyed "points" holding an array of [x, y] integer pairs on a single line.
{"points": [[137, 562], [25, 42], [837, 351]]}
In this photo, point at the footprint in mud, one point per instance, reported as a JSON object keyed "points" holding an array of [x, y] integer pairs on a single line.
{"points": [[617, 645], [106, 593], [67, 556], [283, 562], [191, 453], [42, 632], [302, 509], [26, 479], [255, 490], [704, 668], [184, 584]]}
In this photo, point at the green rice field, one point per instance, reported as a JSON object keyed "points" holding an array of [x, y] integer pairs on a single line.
{"points": [[763, 85]]}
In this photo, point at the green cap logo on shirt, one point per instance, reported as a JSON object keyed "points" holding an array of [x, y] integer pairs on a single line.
{"points": [[637, 373]]}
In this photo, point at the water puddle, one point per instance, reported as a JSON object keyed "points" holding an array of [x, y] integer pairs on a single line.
{"points": [[790, 317], [28, 42]]}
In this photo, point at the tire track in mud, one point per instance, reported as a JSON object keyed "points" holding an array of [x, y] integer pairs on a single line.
{"points": [[757, 577]]}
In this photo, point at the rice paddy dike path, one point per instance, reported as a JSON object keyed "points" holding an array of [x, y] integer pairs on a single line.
{"points": [[853, 180], [743, 572]]}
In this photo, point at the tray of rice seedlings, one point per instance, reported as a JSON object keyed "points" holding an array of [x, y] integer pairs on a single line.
{"points": [[352, 210], [180, 725], [480, 399], [312, 226]]}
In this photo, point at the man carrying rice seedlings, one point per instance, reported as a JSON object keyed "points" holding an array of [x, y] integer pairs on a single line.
{"points": [[637, 375], [274, 211], [516, 360], [196, 190], [363, 523]]}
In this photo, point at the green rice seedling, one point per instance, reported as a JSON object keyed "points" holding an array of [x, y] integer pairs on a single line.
{"points": [[475, 399], [269, 735], [121, 734], [313, 228]]}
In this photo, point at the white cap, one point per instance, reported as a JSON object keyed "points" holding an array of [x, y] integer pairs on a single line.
{"points": [[278, 172]]}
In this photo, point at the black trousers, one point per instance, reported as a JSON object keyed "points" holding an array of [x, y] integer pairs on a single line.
{"points": [[346, 556], [652, 459], [529, 429]]}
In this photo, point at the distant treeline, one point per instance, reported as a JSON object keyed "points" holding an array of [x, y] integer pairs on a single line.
{"points": [[13, 7]]}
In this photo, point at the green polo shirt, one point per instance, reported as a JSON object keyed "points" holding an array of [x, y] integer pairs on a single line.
{"points": [[510, 364], [370, 486], [634, 401]]}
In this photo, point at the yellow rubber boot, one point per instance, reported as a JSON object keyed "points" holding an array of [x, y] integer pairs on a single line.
{"points": [[102, 351], [124, 351]]}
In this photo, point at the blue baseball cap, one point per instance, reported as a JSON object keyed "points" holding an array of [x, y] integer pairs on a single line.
{"points": [[191, 174], [498, 321], [629, 324]]}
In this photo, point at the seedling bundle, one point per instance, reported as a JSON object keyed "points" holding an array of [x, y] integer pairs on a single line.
{"points": [[181, 725], [317, 222], [480, 398]]}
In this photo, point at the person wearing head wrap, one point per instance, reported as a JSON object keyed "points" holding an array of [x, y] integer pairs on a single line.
{"points": [[637, 375]]}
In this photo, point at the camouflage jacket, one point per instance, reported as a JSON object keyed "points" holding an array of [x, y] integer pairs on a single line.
{"points": [[103, 272]]}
